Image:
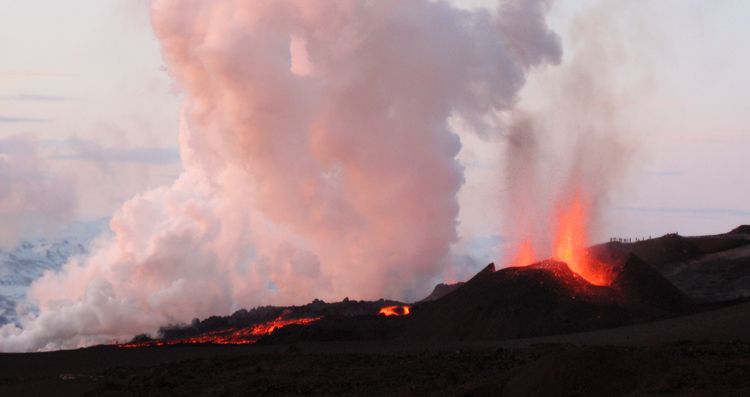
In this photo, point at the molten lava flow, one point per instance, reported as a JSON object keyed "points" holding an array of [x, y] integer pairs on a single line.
{"points": [[228, 336], [395, 310]]}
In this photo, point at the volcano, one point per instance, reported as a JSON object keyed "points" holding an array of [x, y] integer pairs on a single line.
{"points": [[547, 298], [541, 299], [544, 298], [644, 330]]}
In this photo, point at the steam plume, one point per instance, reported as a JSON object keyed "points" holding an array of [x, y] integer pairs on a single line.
{"points": [[571, 146], [318, 161]]}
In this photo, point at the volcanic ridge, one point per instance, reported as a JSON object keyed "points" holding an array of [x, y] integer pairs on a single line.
{"points": [[650, 280], [671, 319]]}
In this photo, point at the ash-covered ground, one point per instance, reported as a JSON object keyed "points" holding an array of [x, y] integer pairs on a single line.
{"points": [[674, 321]]}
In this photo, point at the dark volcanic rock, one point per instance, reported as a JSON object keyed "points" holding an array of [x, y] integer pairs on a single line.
{"points": [[742, 229], [676, 369], [338, 328], [642, 285], [243, 318], [713, 278], [662, 251], [572, 372], [546, 298], [719, 243], [708, 269], [541, 299], [441, 290]]}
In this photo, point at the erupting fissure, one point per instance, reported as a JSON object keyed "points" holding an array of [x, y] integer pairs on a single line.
{"points": [[228, 336], [251, 334]]}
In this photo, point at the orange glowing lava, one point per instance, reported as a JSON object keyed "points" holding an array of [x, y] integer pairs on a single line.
{"points": [[525, 255], [571, 239], [571, 235], [395, 310], [228, 336]]}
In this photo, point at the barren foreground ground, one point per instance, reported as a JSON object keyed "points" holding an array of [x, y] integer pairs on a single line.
{"points": [[703, 354], [467, 343]]}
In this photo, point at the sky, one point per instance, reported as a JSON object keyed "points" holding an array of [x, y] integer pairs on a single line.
{"points": [[84, 89]]}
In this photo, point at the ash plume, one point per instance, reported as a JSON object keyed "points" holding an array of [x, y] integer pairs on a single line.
{"points": [[318, 161]]}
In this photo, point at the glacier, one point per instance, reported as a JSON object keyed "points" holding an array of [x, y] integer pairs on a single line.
{"points": [[33, 256]]}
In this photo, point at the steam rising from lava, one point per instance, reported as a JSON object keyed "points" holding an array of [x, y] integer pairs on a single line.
{"points": [[318, 161]]}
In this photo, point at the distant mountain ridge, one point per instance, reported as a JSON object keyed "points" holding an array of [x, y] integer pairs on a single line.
{"points": [[32, 257]]}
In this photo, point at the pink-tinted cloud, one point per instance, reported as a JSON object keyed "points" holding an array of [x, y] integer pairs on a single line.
{"points": [[324, 176]]}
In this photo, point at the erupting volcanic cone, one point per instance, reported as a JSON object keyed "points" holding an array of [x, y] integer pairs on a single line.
{"points": [[540, 299], [547, 298]]}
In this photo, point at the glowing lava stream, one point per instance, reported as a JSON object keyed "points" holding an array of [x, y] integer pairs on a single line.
{"points": [[395, 310], [250, 334], [228, 336]]}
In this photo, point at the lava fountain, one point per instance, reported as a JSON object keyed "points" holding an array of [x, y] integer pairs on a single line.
{"points": [[570, 233]]}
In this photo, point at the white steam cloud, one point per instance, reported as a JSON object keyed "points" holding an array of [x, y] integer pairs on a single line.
{"points": [[318, 161]]}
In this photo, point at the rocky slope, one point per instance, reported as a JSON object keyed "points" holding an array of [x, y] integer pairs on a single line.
{"points": [[709, 269]]}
